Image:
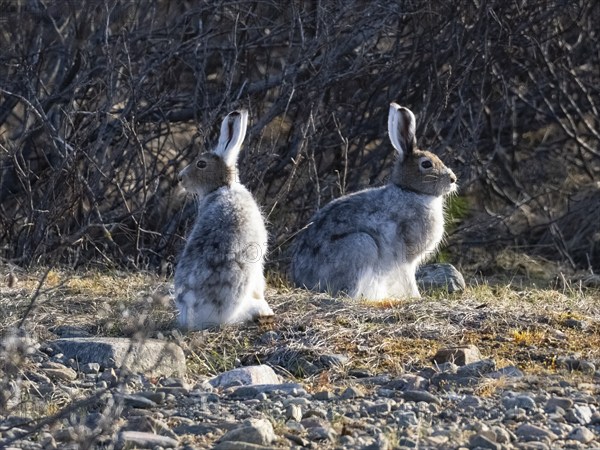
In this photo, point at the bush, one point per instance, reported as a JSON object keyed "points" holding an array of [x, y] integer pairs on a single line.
{"points": [[103, 102]]}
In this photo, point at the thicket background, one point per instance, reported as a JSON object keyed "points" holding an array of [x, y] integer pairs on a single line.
{"points": [[103, 101]]}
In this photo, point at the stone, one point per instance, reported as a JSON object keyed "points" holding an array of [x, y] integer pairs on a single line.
{"points": [[406, 418], [137, 401], [440, 276], [381, 442], [253, 431], [529, 432], [156, 396], [506, 372], [420, 396], [576, 324], [582, 434], [407, 381], [380, 408], [503, 436], [146, 440], [482, 441], [150, 356], [575, 364], [581, 414], [93, 368], [293, 412], [232, 445], [253, 391], [520, 401], [246, 376], [324, 395], [322, 434], [558, 402], [532, 445], [477, 368], [334, 360], [460, 356], [61, 374], [352, 392]]}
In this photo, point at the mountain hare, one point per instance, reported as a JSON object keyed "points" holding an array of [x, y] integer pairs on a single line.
{"points": [[219, 278], [370, 243]]}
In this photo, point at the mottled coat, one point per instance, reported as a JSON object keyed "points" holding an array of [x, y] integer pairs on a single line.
{"points": [[219, 278], [370, 243]]}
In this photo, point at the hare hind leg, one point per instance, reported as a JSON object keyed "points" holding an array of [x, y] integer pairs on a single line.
{"points": [[352, 266]]}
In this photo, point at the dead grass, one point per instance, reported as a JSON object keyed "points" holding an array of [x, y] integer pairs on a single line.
{"points": [[514, 324]]}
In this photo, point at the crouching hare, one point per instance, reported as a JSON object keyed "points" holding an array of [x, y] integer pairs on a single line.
{"points": [[219, 278], [369, 244]]}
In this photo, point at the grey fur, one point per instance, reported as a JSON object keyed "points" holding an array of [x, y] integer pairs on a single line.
{"points": [[219, 278], [370, 243]]}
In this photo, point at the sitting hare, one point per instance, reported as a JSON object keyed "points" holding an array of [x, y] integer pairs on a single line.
{"points": [[370, 243], [219, 278]]}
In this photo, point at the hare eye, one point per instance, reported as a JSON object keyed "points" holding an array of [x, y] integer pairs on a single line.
{"points": [[426, 164], [201, 164]]}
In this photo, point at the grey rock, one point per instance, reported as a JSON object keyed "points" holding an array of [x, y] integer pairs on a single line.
{"points": [[322, 434], [269, 389], [137, 401], [334, 360], [525, 402], [582, 434], [470, 401], [301, 401], [407, 381], [517, 414], [157, 397], [232, 445], [503, 436], [406, 442], [58, 372], [92, 368], [151, 356], [253, 431], [324, 395], [146, 440], [352, 392], [414, 395], [315, 412], [482, 441], [381, 442], [244, 376], [406, 418], [379, 408], [293, 412], [506, 372], [576, 324], [447, 367], [69, 331], [532, 445], [440, 276], [477, 368], [581, 414], [575, 364], [558, 402], [529, 432], [460, 356]]}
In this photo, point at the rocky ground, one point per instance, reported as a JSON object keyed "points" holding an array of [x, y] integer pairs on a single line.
{"points": [[96, 363]]}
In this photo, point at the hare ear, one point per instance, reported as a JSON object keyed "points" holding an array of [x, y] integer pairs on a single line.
{"points": [[233, 131], [401, 128]]}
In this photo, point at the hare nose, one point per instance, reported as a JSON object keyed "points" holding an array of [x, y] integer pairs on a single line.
{"points": [[180, 177], [452, 177]]}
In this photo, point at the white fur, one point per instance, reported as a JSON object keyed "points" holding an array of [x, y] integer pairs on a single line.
{"points": [[219, 278], [233, 131], [370, 243], [397, 122]]}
